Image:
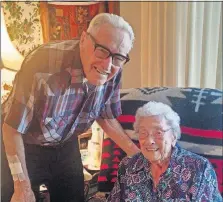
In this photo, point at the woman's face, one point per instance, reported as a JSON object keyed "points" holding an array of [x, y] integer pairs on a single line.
{"points": [[156, 138]]}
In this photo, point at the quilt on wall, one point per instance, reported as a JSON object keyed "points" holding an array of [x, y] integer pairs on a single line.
{"points": [[67, 22], [201, 124]]}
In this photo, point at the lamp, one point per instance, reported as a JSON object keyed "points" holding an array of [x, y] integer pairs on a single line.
{"points": [[10, 57], [10, 61]]}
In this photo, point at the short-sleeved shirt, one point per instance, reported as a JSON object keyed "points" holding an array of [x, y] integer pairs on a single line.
{"points": [[52, 101], [189, 177]]}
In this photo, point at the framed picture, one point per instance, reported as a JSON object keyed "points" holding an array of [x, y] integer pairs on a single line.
{"points": [[84, 138]]}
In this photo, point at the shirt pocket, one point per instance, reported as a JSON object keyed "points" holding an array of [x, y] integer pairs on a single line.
{"points": [[59, 113], [56, 126], [62, 106], [57, 121]]}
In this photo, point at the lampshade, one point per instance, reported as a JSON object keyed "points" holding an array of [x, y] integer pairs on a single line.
{"points": [[75, 3], [10, 57]]}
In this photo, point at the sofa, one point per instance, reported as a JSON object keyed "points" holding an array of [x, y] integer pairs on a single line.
{"points": [[200, 110]]}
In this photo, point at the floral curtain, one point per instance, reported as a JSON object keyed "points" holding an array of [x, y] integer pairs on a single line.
{"points": [[23, 25]]}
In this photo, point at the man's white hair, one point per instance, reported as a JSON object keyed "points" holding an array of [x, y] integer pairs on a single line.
{"points": [[114, 20], [159, 109]]}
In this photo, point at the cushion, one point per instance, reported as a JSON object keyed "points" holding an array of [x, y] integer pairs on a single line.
{"points": [[200, 111]]}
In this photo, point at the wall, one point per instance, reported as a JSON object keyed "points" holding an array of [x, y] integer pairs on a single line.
{"points": [[131, 12]]}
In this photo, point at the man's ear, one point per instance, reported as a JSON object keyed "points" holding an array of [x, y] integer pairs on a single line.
{"points": [[83, 37]]}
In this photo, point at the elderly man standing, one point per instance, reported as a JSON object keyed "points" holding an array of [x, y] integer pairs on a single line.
{"points": [[61, 89]]}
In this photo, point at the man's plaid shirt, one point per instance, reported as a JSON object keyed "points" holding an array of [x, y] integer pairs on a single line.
{"points": [[52, 102]]}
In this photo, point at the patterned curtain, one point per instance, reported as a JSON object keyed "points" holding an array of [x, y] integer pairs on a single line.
{"points": [[181, 44], [22, 20], [67, 21]]}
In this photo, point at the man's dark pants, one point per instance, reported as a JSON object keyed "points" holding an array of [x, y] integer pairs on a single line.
{"points": [[60, 169]]}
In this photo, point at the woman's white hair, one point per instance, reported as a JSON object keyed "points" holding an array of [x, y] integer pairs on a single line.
{"points": [[114, 20], [159, 109]]}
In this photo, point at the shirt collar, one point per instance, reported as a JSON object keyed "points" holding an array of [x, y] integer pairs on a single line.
{"points": [[78, 72], [174, 165], [137, 163], [76, 69]]}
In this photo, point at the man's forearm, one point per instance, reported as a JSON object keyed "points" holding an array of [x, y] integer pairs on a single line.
{"points": [[14, 149], [114, 130]]}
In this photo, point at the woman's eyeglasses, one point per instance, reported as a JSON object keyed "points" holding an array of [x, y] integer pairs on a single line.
{"points": [[154, 133], [103, 53]]}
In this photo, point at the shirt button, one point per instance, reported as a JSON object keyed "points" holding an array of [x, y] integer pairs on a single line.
{"points": [[91, 115]]}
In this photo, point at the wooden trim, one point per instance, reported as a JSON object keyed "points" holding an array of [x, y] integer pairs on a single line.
{"points": [[87, 134], [113, 7], [102, 7], [44, 19]]}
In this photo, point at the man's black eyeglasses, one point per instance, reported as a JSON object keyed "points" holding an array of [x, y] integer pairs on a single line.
{"points": [[103, 53]]}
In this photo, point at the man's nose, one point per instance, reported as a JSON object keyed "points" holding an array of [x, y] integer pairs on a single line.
{"points": [[107, 64]]}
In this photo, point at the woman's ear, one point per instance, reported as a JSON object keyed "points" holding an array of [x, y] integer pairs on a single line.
{"points": [[174, 140]]}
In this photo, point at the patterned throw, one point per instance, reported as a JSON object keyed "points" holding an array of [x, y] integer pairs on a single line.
{"points": [[201, 124]]}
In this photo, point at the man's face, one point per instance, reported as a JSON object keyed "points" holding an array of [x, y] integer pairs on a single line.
{"points": [[97, 69], [156, 138]]}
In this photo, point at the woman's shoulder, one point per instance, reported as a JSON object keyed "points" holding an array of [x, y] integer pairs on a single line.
{"points": [[188, 158]]}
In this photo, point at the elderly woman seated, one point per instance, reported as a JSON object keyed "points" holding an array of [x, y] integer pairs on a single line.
{"points": [[163, 171]]}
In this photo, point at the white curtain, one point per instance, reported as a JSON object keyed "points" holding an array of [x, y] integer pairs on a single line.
{"points": [[181, 44]]}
